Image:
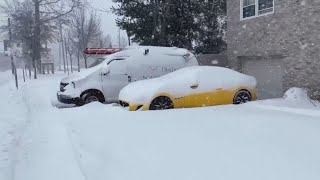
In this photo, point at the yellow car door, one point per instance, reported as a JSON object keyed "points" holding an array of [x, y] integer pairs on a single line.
{"points": [[205, 93]]}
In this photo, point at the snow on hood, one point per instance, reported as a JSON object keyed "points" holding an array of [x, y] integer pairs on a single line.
{"points": [[86, 72], [81, 75], [138, 93], [142, 91]]}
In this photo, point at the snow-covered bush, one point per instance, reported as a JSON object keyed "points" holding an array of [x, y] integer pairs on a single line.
{"points": [[296, 93]]}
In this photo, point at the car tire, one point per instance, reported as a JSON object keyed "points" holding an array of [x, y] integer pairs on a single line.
{"points": [[161, 103], [242, 96], [90, 97]]}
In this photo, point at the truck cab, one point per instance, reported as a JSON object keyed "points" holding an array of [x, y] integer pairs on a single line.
{"points": [[104, 81]]}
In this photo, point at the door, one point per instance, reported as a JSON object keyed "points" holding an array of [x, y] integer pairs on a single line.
{"points": [[269, 75], [206, 93], [115, 79]]}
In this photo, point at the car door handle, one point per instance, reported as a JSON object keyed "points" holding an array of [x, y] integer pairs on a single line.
{"points": [[195, 86]]}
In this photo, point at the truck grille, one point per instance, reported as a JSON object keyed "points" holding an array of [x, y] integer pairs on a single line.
{"points": [[62, 86], [123, 104]]}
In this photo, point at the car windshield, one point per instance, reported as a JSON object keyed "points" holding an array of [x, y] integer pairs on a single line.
{"points": [[159, 89]]}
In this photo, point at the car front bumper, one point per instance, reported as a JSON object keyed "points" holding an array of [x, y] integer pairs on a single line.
{"points": [[135, 107], [67, 99]]}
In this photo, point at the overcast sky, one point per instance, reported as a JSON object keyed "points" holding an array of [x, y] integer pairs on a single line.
{"points": [[108, 19]]}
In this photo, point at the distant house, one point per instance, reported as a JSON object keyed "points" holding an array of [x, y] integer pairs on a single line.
{"points": [[278, 42]]}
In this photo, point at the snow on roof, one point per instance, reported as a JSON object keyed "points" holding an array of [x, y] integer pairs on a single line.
{"points": [[160, 50], [132, 51]]}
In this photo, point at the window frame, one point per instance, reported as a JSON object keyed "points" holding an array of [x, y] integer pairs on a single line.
{"points": [[117, 60], [256, 10]]}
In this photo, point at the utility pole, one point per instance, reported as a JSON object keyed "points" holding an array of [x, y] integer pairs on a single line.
{"points": [[78, 57], [119, 39], [66, 54], [13, 66], [62, 48], [59, 55], [36, 36], [70, 55], [10, 45], [129, 40]]}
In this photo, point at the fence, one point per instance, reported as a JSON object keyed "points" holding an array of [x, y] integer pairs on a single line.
{"points": [[213, 60]]}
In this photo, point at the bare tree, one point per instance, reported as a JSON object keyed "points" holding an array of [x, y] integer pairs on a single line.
{"points": [[105, 41], [45, 14], [85, 28], [70, 50], [49, 10], [21, 15]]}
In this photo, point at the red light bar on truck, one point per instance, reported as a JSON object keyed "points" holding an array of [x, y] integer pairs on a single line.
{"points": [[101, 51]]}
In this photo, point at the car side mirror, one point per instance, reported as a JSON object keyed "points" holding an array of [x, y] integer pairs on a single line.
{"points": [[105, 71]]}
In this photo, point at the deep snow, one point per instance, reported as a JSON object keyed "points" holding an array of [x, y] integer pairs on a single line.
{"points": [[272, 139]]}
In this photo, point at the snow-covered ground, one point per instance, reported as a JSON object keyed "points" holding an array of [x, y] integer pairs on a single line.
{"points": [[273, 139]]}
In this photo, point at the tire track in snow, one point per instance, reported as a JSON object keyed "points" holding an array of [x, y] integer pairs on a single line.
{"points": [[49, 139], [75, 153], [16, 114]]}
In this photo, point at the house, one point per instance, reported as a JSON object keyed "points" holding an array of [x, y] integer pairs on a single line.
{"points": [[276, 41]]}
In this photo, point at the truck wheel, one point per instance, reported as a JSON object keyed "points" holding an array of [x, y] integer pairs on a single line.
{"points": [[90, 97], [161, 103]]}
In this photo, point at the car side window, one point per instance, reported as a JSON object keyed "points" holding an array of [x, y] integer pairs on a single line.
{"points": [[118, 66]]}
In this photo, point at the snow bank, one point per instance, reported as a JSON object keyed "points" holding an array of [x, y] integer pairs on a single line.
{"points": [[225, 142], [296, 94], [294, 100], [99, 141]]}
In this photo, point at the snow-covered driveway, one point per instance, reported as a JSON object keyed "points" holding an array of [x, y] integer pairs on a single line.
{"points": [[273, 139]]}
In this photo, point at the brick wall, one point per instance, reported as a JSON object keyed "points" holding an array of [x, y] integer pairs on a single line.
{"points": [[293, 31]]}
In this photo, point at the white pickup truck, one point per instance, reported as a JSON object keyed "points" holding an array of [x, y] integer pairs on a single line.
{"points": [[103, 82]]}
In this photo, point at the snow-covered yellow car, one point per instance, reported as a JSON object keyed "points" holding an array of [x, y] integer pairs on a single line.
{"points": [[195, 86]]}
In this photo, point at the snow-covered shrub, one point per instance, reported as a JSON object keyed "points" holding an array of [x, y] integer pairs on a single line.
{"points": [[296, 93]]}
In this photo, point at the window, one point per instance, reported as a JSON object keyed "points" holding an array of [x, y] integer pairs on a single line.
{"points": [[265, 6], [255, 8], [249, 8], [118, 66]]}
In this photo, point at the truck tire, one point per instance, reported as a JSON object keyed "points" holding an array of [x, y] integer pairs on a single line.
{"points": [[90, 97]]}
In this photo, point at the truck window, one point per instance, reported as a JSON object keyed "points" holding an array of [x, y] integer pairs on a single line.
{"points": [[97, 62], [118, 66]]}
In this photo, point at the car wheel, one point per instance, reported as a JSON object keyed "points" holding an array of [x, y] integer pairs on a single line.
{"points": [[89, 98], [241, 97], [161, 103]]}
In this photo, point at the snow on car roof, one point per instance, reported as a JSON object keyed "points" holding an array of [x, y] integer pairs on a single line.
{"points": [[211, 71], [178, 83]]}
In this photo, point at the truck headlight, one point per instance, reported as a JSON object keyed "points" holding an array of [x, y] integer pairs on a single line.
{"points": [[74, 84]]}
